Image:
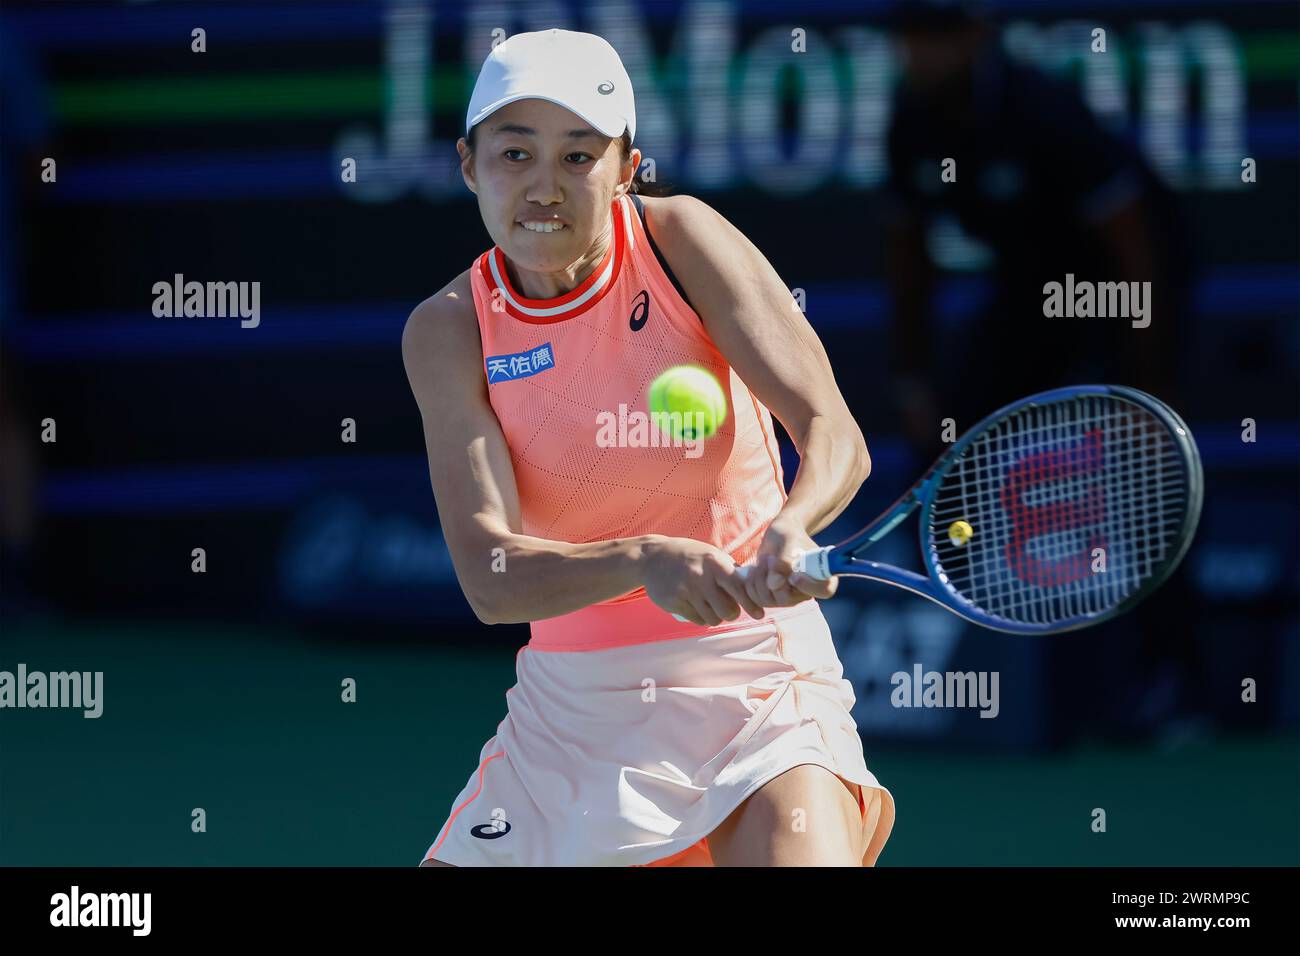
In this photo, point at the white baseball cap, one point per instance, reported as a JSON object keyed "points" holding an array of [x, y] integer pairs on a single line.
{"points": [[579, 71]]}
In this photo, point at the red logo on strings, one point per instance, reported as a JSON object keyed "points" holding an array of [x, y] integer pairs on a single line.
{"points": [[1079, 460]]}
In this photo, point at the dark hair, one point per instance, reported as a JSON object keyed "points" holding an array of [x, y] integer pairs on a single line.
{"points": [[639, 185]]}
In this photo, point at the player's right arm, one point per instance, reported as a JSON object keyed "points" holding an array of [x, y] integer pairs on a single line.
{"points": [[478, 502]]}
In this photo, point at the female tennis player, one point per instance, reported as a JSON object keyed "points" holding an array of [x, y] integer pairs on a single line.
{"points": [[668, 709]]}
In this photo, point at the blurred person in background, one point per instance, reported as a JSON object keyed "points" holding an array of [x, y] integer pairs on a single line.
{"points": [[25, 117], [1050, 192]]}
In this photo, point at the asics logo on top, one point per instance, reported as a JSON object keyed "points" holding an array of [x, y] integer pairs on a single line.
{"points": [[640, 311]]}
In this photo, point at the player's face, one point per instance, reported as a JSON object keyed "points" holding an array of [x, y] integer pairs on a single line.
{"points": [[534, 160]]}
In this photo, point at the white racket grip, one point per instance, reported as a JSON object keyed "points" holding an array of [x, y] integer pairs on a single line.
{"points": [[816, 564]]}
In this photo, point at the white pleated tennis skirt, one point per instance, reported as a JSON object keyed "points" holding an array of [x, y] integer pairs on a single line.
{"points": [[632, 755]]}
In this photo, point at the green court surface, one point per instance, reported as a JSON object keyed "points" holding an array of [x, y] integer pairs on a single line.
{"points": [[248, 724]]}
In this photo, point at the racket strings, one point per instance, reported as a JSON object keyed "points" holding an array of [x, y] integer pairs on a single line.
{"points": [[1074, 506]]}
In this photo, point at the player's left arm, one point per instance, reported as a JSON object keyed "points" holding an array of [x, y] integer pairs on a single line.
{"points": [[758, 327]]}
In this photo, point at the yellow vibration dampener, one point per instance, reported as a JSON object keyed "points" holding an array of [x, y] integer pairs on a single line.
{"points": [[959, 532]]}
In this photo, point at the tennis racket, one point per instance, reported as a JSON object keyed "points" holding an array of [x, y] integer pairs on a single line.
{"points": [[1056, 512]]}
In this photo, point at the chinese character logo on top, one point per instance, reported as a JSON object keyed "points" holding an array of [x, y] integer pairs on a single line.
{"points": [[520, 364]]}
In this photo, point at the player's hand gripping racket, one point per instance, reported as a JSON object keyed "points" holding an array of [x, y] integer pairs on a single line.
{"points": [[1056, 512]]}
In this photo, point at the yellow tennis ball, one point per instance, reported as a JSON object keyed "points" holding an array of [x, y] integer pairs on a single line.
{"points": [[959, 532], [686, 402]]}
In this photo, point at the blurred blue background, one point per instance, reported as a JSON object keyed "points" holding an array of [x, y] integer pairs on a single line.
{"points": [[325, 559]]}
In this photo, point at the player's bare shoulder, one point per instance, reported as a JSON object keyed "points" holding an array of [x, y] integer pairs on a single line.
{"points": [[440, 342], [686, 229], [701, 247], [666, 216], [445, 313]]}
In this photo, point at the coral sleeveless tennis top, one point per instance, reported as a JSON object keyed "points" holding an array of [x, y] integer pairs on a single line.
{"points": [[568, 379]]}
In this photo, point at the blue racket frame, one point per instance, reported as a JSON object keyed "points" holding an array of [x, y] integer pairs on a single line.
{"points": [[934, 585]]}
